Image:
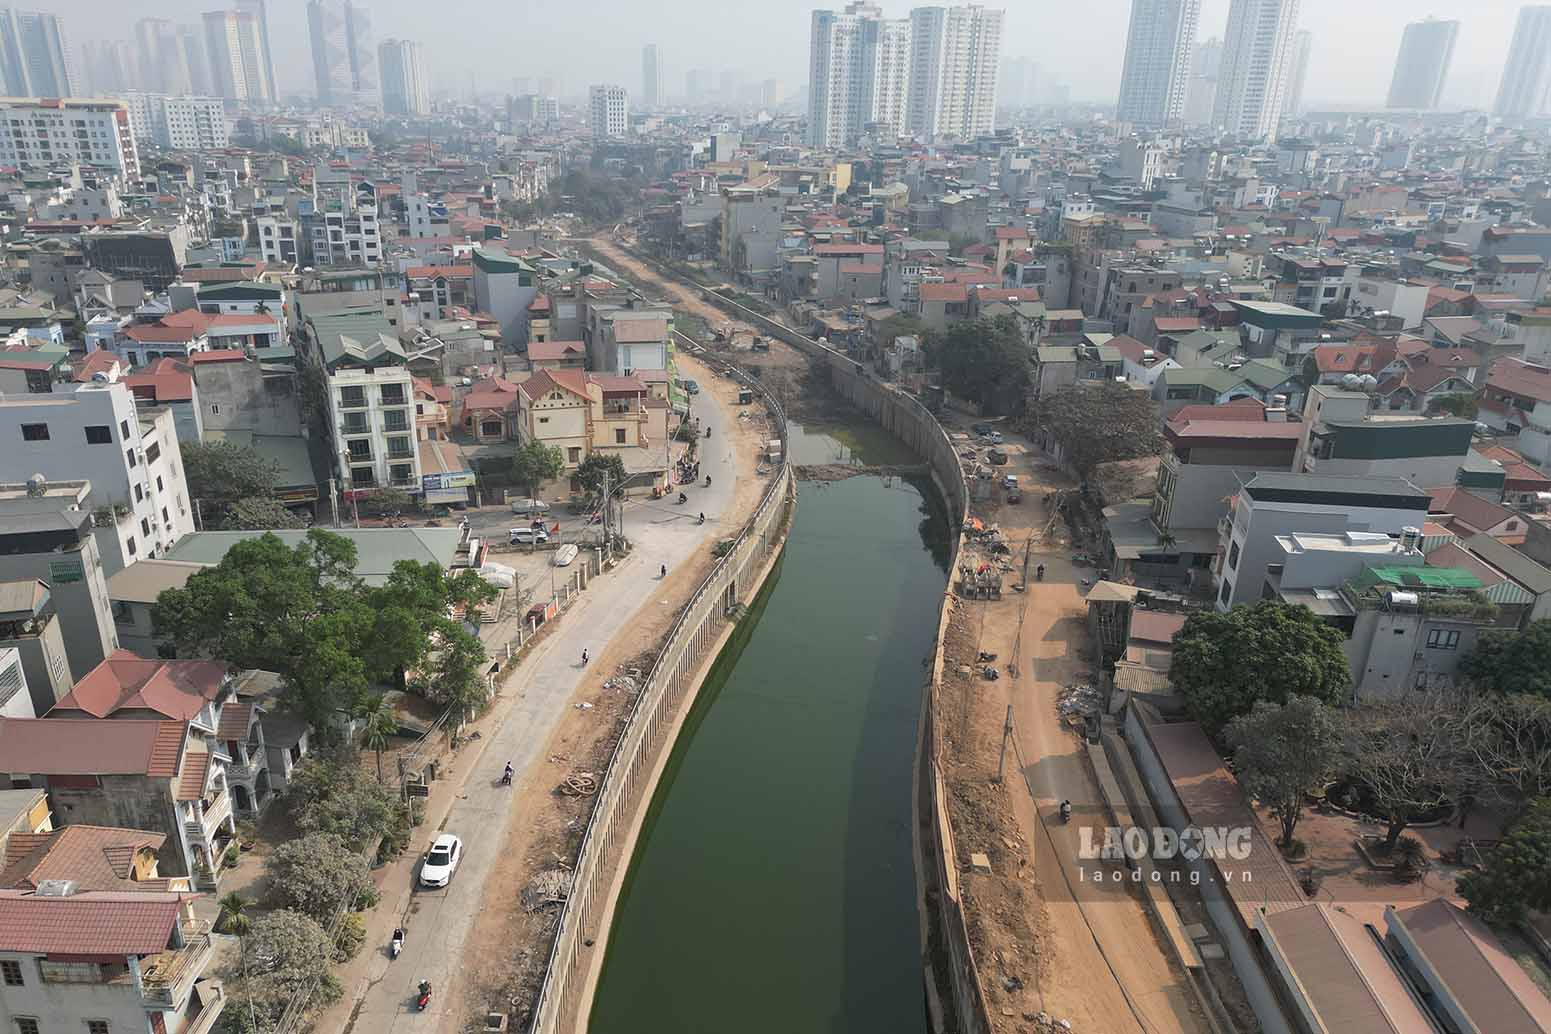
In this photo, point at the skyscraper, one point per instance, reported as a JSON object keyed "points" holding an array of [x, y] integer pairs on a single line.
{"points": [[1201, 96], [1422, 64], [34, 56], [260, 13], [1526, 85], [343, 61], [1154, 81], [651, 77], [163, 61], [236, 56], [858, 72], [192, 42], [1302, 48], [109, 67], [1257, 67], [955, 57], [404, 87]]}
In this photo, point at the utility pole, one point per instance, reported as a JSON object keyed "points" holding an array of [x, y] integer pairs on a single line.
{"points": [[1001, 761]]}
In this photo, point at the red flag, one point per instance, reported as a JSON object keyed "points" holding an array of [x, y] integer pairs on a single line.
{"points": [[556, 529]]}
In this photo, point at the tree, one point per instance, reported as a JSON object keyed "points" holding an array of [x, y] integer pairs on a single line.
{"points": [[1224, 663], [536, 463], [316, 874], [1283, 753], [325, 676], [220, 472], [1517, 876], [233, 917], [378, 728], [330, 793], [1411, 756], [1512, 661], [258, 514], [1099, 423], [595, 466], [288, 956], [456, 677], [1460, 404], [1509, 740], [982, 360]]}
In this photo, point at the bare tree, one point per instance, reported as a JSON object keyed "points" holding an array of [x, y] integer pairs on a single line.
{"points": [[1413, 755], [1509, 741]]}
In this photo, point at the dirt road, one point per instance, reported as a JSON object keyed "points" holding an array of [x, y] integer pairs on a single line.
{"points": [[1082, 950]]}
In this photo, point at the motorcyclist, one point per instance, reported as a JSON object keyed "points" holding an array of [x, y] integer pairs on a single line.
{"points": [[701, 520], [708, 480], [1039, 573], [506, 777], [1066, 810]]}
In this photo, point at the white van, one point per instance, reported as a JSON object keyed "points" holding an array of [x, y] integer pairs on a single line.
{"points": [[529, 507]]}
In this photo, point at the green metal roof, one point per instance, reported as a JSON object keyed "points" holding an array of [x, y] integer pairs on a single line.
{"points": [[1213, 377], [1423, 577], [1264, 375]]}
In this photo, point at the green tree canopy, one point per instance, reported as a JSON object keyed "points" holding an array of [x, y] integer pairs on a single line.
{"points": [[982, 360], [258, 514], [1285, 753], [1512, 661], [592, 469], [536, 463], [287, 956], [316, 874], [1224, 663], [220, 472], [1100, 423], [332, 793], [1517, 876]]}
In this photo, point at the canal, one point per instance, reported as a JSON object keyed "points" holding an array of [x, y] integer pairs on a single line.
{"points": [[772, 889]]}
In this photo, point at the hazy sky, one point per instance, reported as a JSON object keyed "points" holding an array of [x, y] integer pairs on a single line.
{"points": [[491, 41]]}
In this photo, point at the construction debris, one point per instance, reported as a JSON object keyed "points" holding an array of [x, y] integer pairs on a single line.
{"points": [[625, 682], [582, 784], [1079, 700], [550, 887]]}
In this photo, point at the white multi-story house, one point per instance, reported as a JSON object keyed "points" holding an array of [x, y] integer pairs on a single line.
{"points": [[608, 111], [426, 218], [139, 495], [49, 131], [277, 237], [371, 412], [342, 224]]}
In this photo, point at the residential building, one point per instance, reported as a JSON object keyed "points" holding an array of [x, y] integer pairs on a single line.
{"points": [[178, 123], [163, 60], [1463, 971], [237, 65], [1525, 90], [1278, 332], [752, 232], [1517, 400], [1342, 435], [859, 73], [47, 537], [1154, 81], [339, 222], [578, 412], [371, 395], [35, 58], [154, 257], [1426, 48], [405, 88], [15, 698], [108, 67], [1201, 93], [651, 77], [1257, 67], [52, 132], [608, 110], [1298, 78], [105, 960], [343, 59], [1273, 504], [260, 11], [504, 286], [30, 628], [130, 458], [955, 56]]}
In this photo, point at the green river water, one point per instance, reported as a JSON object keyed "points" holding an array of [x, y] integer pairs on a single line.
{"points": [[772, 889]]}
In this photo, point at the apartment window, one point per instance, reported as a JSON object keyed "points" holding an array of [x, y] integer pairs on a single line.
{"points": [[129, 456], [35, 432], [26, 1024], [1227, 590], [1443, 639], [359, 449], [352, 397], [393, 395], [11, 970], [619, 436], [543, 419], [139, 492], [96, 1027], [215, 407], [159, 486], [153, 452], [123, 425], [395, 420], [145, 527], [398, 448], [1233, 557], [166, 517], [574, 455], [99, 434]]}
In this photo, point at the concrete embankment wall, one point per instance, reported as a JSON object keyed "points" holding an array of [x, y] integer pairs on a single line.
{"points": [[945, 925], [631, 777]]}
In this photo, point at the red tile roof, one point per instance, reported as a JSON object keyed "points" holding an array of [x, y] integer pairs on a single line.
{"points": [[944, 292], [1525, 380], [236, 716], [165, 380], [90, 923], [94, 857], [618, 385], [1470, 513], [1176, 324], [431, 272], [848, 249], [100, 361], [174, 689], [632, 332], [553, 351], [193, 776], [545, 381], [491, 393], [219, 355], [1012, 233], [155, 334], [91, 746]]}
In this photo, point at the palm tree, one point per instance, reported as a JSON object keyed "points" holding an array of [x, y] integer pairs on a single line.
{"points": [[379, 728], [234, 918]]}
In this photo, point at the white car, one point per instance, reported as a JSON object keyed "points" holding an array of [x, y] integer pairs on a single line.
{"points": [[528, 536], [441, 861]]}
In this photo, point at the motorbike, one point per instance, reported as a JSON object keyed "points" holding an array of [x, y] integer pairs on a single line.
{"points": [[708, 432], [1066, 811], [683, 498], [701, 520], [708, 480], [506, 776], [424, 998], [397, 944], [1039, 573]]}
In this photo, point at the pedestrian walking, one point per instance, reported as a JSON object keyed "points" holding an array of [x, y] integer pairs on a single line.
{"points": [[584, 658], [664, 570]]}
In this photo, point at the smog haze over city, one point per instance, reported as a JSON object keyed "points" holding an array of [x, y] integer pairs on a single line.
{"points": [[484, 44]]}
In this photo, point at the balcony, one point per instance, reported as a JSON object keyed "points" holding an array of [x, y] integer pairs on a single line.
{"points": [[355, 426], [167, 978], [204, 829], [349, 400]]}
